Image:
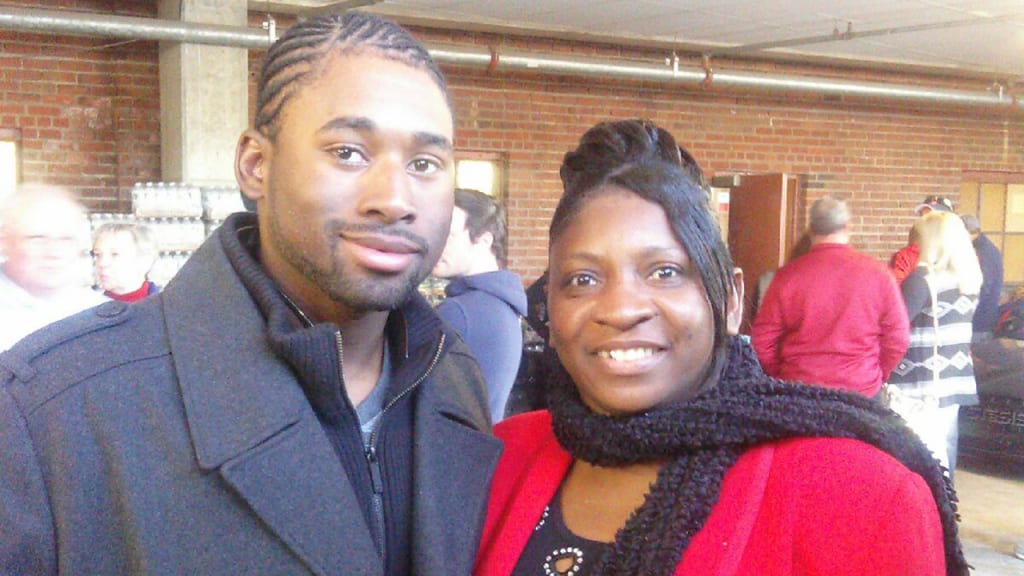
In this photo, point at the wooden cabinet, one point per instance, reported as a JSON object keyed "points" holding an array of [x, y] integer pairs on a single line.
{"points": [[765, 222]]}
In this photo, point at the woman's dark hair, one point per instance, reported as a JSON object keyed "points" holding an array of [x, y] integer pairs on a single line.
{"points": [[295, 59], [641, 157]]}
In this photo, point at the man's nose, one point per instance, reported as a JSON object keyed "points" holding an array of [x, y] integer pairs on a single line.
{"points": [[386, 192]]}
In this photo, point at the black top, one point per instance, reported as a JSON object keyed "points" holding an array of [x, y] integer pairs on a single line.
{"points": [[554, 550]]}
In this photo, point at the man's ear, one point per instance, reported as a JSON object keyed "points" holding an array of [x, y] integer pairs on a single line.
{"points": [[251, 158], [734, 309], [485, 239]]}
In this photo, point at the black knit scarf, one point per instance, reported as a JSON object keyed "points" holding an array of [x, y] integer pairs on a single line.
{"points": [[704, 437]]}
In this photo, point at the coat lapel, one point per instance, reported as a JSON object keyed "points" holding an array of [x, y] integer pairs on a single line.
{"points": [[249, 419], [453, 462]]}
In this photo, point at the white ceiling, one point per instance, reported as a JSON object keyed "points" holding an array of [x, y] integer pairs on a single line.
{"points": [[968, 37]]}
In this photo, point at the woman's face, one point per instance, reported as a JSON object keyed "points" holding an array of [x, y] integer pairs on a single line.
{"points": [[630, 319]]}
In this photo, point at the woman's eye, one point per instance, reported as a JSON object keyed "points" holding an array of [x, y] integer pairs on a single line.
{"points": [[424, 166], [667, 272]]}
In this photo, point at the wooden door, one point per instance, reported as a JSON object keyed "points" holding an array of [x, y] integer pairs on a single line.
{"points": [[764, 223]]}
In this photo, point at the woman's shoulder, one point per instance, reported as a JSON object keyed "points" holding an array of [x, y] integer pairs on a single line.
{"points": [[825, 500], [526, 430], [840, 456], [531, 455], [843, 473]]}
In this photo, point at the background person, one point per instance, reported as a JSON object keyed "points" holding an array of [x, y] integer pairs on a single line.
{"points": [[904, 260], [123, 254], [664, 438], [267, 412], [936, 376], [834, 316], [43, 237], [482, 302], [986, 315]]}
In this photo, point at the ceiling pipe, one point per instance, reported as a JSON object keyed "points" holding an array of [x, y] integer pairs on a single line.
{"points": [[489, 58], [850, 34], [670, 72], [85, 24]]}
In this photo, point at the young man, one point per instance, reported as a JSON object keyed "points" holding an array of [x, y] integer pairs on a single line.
{"points": [[268, 412], [483, 303]]}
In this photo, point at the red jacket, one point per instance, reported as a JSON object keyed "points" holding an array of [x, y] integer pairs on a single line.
{"points": [[810, 506], [903, 262], [832, 317]]}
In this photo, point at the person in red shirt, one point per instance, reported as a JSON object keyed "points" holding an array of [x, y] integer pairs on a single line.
{"points": [[833, 317], [665, 449]]}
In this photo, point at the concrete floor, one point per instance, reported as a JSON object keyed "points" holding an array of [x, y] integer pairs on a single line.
{"points": [[992, 520]]}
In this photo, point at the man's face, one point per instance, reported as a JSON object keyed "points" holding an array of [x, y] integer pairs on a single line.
{"points": [[457, 256], [359, 186], [120, 267], [43, 244]]}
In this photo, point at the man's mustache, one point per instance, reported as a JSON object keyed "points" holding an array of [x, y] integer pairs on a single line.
{"points": [[336, 228]]}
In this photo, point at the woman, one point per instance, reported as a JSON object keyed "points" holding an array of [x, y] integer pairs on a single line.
{"points": [[936, 376], [666, 449], [123, 254]]}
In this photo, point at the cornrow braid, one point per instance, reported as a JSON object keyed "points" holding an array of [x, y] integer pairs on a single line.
{"points": [[297, 57]]}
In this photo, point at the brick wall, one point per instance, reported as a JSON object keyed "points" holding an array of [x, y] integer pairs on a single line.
{"points": [[88, 111], [883, 158], [87, 108]]}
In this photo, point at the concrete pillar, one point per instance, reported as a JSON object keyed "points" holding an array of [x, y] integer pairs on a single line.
{"points": [[203, 96]]}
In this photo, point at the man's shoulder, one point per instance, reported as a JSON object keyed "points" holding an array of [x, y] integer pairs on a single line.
{"points": [[66, 353], [848, 259], [987, 249], [497, 287]]}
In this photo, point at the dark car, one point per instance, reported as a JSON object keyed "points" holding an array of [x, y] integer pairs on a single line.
{"points": [[992, 432]]}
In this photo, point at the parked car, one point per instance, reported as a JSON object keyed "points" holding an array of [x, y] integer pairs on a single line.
{"points": [[992, 432]]}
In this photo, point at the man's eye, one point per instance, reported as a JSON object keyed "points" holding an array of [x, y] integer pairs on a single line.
{"points": [[425, 166], [579, 280], [349, 155]]}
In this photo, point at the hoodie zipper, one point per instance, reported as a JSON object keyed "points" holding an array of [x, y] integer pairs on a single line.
{"points": [[372, 459]]}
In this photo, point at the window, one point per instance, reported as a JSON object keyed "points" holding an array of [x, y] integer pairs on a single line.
{"points": [[482, 171], [10, 161], [479, 174], [998, 201]]}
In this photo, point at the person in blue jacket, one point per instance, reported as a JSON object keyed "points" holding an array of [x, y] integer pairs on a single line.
{"points": [[483, 302]]}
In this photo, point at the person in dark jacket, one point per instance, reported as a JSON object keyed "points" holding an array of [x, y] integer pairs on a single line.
{"points": [[269, 410], [483, 302], [987, 314]]}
